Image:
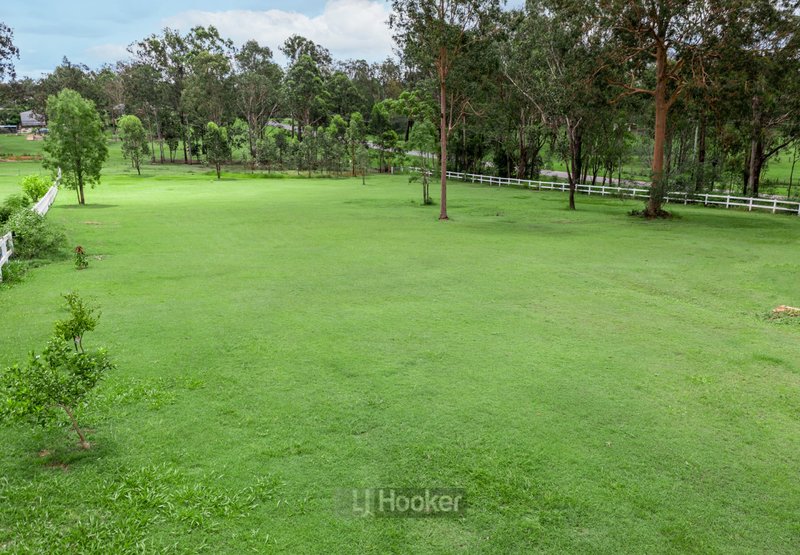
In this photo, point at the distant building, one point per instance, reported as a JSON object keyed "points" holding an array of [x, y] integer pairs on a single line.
{"points": [[30, 119]]}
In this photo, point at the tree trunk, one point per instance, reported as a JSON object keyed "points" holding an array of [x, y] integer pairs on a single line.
{"points": [[160, 136], [185, 139], [755, 169], [84, 443], [443, 133], [755, 148], [699, 177], [576, 163], [79, 173], [658, 184]]}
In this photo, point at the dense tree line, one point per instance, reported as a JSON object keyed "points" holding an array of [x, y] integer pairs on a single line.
{"points": [[704, 93]]}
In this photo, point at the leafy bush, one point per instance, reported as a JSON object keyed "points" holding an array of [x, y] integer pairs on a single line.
{"points": [[35, 187], [58, 379], [82, 318], [14, 271], [12, 204], [34, 236], [81, 260]]}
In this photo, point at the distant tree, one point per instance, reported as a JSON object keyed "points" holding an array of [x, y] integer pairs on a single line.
{"points": [[238, 136], [267, 153], [410, 104], [174, 57], [554, 65], [387, 144], [666, 46], [355, 136], [423, 140], [75, 141], [256, 88], [362, 161], [7, 52], [76, 76], [218, 146], [304, 91], [134, 140], [434, 36], [334, 151], [146, 95], [344, 97], [297, 46]]}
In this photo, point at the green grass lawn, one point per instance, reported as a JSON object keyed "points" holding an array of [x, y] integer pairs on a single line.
{"points": [[596, 383], [19, 145]]}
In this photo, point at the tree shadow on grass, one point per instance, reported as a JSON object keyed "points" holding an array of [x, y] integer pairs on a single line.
{"points": [[56, 449], [89, 206]]}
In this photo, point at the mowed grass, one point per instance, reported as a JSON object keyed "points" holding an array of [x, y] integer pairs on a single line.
{"points": [[596, 383]]}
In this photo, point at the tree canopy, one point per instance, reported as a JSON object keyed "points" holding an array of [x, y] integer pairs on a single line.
{"points": [[75, 142]]}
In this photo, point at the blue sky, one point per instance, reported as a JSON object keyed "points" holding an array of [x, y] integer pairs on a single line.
{"points": [[93, 32]]}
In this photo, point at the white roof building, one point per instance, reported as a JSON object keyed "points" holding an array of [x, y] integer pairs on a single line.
{"points": [[31, 119]]}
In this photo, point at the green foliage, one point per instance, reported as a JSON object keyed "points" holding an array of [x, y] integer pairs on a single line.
{"points": [[14, 271], [238, 134], [12, 204], [58, 378], [267, 152], [218, 147], [355, 137], [81, 260], [362, 162], [134, 140], [34, 235], [35, 187], [82, 318], [423, 139], [304, 90], [75, 141]]}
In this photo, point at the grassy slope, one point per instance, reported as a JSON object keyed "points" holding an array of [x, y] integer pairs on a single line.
{"points": [[597, 383]]}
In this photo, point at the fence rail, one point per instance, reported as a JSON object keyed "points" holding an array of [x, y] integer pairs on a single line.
{"points": [[6, 250], [41, 207], [728, 201]]}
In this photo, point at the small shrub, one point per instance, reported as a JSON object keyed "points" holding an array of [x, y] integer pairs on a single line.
{"points": [[14, 271], [13, 203], [34, 236], [58, 379], [81, 260], [35, 187], [83, 318]]}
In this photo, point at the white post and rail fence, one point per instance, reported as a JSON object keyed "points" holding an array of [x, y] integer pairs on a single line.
{"points": [[771, 204], [41, 207]]}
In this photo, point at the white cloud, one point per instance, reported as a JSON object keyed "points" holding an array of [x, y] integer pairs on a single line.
{"points": [[348, 28]]}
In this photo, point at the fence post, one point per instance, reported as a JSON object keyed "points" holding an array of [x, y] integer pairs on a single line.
{"points": [[750, 205], [774, 205]]}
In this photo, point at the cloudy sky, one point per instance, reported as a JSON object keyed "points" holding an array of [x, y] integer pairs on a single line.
{"points": [[94, 32]]}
